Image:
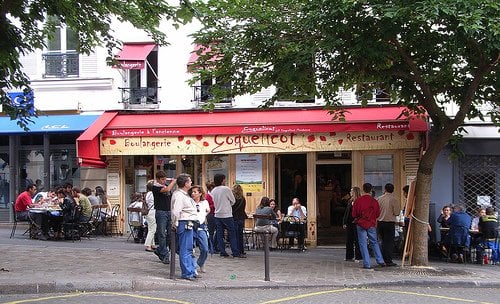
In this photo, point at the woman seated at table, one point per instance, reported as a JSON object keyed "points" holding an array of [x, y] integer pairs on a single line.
{"points": [[264, 224], [278, 217], [444, 228]]}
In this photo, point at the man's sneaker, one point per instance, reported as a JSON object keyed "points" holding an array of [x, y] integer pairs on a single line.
{"points": [[367, 268], [166, 260], [202, 269]]}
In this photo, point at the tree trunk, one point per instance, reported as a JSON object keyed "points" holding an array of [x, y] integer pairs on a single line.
{"points": [[420, 221]]}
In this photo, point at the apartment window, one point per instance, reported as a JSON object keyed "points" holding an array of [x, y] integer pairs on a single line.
{"points": [[61, 57], [207, 90]]}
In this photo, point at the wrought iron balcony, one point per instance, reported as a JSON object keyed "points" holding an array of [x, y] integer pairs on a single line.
{"points": [[61, 65], [140, 98], [203, 94]]}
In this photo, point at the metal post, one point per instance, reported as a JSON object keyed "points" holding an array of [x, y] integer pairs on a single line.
{"points": [[46, 162], [266, 257], [172, 253]]}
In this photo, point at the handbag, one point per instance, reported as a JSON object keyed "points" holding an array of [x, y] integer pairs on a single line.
{"points": [[144, 209]]}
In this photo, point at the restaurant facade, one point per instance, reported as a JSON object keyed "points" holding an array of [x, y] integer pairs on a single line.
{"points": [[279, 153]]}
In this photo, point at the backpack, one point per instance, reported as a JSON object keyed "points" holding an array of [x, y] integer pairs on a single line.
{"points": [[144, 209]]}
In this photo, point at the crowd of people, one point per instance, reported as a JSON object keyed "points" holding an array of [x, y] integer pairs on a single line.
{"points": [[51, 213], [462, 234], [207, 220]]}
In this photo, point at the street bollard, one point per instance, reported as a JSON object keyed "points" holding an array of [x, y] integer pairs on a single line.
{"points": [[172, 253], [266, 257]]}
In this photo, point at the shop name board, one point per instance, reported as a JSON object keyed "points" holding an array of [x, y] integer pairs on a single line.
{"points": [[258, 143], [258, 130]]}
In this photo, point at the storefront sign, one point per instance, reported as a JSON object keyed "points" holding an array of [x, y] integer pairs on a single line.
{"points": [[257, 130], [249, 172], [259, 143]]}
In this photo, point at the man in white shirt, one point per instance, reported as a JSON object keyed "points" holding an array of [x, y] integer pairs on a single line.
{"points": [[297, 210], [223, 201], [298, 214], [185, 219]]}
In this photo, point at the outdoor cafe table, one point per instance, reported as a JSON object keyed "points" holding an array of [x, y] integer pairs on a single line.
{"points": [[43, 215]]}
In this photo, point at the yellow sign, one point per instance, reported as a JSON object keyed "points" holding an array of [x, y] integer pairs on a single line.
{"points": [[251, 187], [259, 143]]}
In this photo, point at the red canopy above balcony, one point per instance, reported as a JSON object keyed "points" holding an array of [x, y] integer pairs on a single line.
{"points": [[133, 55]]}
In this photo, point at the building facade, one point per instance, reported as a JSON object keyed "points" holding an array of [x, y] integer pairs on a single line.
{"points": [[279, 153]]}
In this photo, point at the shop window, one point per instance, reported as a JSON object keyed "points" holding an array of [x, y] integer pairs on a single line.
{"points": [[63, 167], [167, 164], [191, 164], [216, 164], [4, 180], [378, 171]]}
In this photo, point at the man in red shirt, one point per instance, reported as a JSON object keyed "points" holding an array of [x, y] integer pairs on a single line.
{"points": [[23, 202], [365, 211]]}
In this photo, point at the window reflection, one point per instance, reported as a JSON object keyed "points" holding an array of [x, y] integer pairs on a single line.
{"points": [[216, 164], [379, 170]]}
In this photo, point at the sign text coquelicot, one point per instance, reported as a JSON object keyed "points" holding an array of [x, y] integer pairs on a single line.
{"points": [[259, 143]]}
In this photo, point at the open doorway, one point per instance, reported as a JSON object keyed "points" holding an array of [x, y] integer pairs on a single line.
{"points": [[333, 184], [291, 179]]}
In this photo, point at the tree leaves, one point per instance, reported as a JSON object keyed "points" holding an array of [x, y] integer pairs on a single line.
{"points": [[26, 24]]}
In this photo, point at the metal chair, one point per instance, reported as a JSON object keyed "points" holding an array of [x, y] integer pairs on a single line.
{"points": [[135, 224], [15, 221], [112, 220]]}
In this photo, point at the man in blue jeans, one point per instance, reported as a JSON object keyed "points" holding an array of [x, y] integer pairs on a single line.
{"points": [[223, 201], [365, 212], [185, 217], [162, 197]]}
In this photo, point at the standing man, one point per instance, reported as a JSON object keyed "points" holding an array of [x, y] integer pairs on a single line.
{"points": [[365, 212], [185, 220], [162, 199], [223, 201], [389, 209]]}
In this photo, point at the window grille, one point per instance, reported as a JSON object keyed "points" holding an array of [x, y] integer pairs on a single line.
{"points": [[479, 178]]}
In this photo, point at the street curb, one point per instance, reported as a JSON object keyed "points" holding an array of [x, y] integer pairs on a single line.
{"points": [[179, 284]]}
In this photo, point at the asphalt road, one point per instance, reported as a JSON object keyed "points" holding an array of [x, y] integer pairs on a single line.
{"points": [[278, 295]]}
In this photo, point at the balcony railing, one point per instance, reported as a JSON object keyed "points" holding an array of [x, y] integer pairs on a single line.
{"points": [[203, 94], [61, 65], [140, 98]]}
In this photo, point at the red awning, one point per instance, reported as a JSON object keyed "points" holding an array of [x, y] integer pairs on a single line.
{"points": [[260, 121], [133, 56], [199, 50], [87, 144]]}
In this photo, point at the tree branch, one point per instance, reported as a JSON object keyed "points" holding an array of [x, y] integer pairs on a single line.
{"points": [[428, 101]]}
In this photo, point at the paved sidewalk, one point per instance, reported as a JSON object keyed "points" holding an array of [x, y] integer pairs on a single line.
{"points": [[113, 264]]}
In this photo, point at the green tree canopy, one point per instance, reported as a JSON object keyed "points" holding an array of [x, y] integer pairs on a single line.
{"points": [[428, 54], [25, 25]]}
